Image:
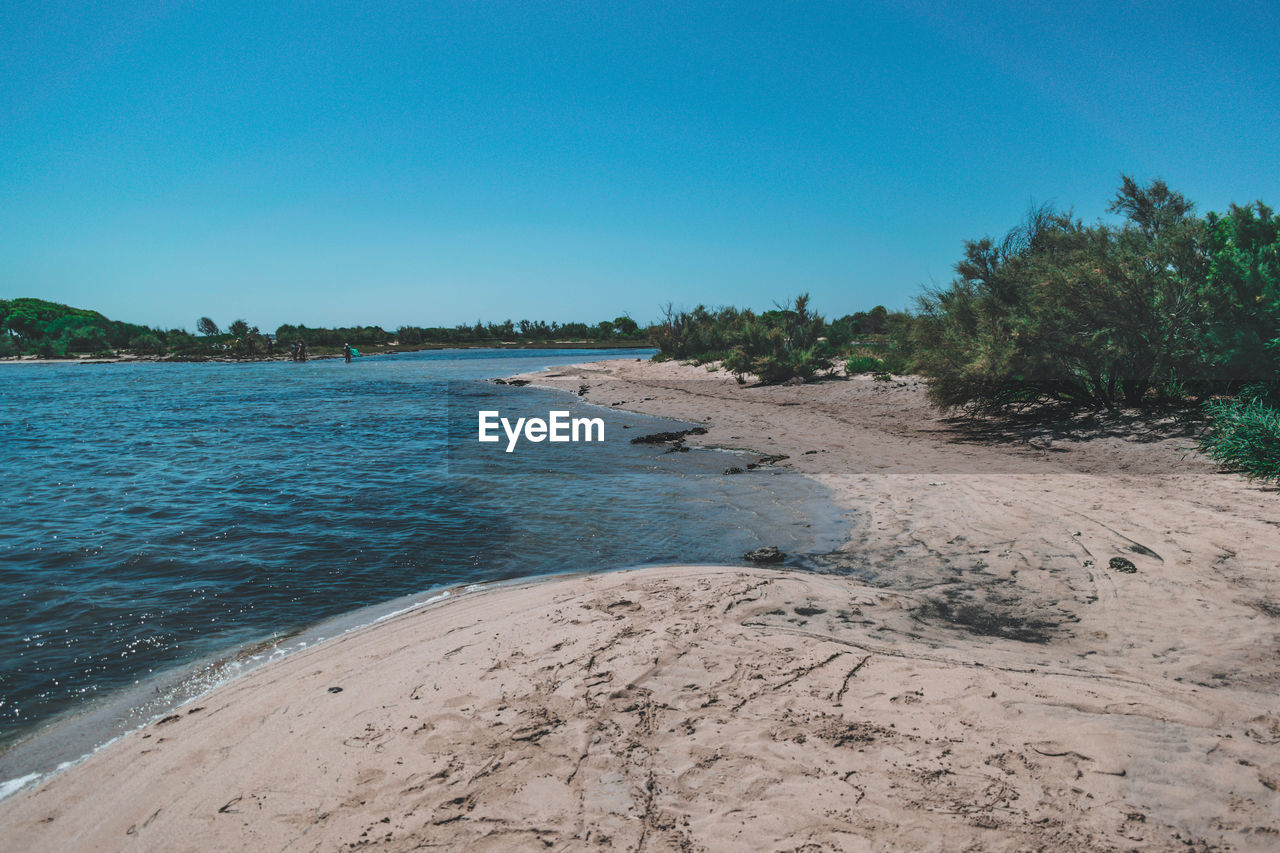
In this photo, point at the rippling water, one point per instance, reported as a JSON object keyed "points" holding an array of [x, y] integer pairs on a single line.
{"points": [[155, 514]]}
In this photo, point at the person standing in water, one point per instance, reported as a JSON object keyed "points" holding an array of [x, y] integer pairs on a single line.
{"points": [[346, 352]]}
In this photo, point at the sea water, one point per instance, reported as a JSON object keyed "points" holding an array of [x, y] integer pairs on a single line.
{"points": [[162, 524]]}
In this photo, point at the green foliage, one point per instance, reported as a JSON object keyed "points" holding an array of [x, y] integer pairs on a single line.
{"points": [[1245, 434], [774, 346], [896, 348], [28, 317], [1244, 339], [778, 345], [701, 333], [621, 329], [53, 330], [49, 348], [863, 364], [147, 344], [87, 339], [354, 335], [1164, 307], [1242, 291], [184, 343], [861, 326], [1091, 315]]}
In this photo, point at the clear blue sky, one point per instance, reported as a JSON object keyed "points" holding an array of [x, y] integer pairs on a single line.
{"points": [[434, 163]]}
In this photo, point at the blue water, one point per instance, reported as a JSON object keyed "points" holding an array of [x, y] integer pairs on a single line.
{"points": [[155, 514]]}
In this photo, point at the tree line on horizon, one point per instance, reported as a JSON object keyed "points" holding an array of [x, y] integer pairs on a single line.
{"points": [[46, 329]]}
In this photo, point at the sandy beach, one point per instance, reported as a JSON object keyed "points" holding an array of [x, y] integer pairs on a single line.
{"points": [[968, 673]]}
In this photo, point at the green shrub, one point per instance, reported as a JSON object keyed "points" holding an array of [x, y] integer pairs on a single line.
{"points": [[787, 342], [147, 345], [702, 332], [184, 343], [1245, 434], [863, 364], [1090, 315], [51, 349], [1242, 289], [778, 345], [88, 339]]}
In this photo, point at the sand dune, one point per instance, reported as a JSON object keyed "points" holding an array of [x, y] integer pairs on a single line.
{"points": [[969, 673]]}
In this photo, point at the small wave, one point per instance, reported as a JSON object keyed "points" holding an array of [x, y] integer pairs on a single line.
{"points": [[12, 786]]}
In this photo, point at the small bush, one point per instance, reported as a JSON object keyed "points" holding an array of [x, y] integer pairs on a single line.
{"points": [[147, 345], [779, 345], [85, 339], [863, 364], [52, 349], [1245, 434]]}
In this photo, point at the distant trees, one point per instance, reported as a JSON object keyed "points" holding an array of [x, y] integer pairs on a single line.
{"points": [[90, 339], [368, 336], [525, 331], [859, 324], [147, 344], [182, 342], [54, 330], [790, 341]]}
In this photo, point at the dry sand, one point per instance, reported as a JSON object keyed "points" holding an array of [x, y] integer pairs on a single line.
{"points": [[967, 674]]}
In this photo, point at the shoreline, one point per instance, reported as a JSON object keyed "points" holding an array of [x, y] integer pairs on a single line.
{"points": [[586, 753], [61, 743], [967, 672], [325, 356], [66, 740]]}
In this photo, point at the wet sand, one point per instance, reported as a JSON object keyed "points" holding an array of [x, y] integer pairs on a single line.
{"points": [[968, 673]]}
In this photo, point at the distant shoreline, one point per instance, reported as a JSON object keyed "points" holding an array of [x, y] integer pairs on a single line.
{"points": [[325, 354]]}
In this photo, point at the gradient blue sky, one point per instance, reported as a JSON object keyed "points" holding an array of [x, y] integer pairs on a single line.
{"points": [[434, 163]]}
